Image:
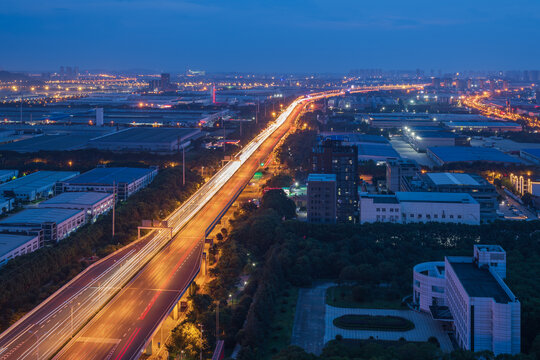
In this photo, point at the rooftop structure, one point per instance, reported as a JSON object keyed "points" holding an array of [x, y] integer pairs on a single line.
{"points": [[450, 154], [484, 125], [396, 170], [370, 147], [35, 185], [146, 139]]}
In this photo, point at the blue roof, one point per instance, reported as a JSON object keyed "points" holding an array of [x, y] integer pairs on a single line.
{"points": [[321, 177], [9, 242], [107, 176], [355, 137], [486, 124], [380, 150], [40, 216], [532, 152], [79, 198], [470, 153]]}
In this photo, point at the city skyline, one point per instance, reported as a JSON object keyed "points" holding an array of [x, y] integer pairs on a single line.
{"points": [[278, 37]]}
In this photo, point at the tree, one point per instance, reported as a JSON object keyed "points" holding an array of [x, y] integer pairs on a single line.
{"points": [[277, 200], [186, 337]]}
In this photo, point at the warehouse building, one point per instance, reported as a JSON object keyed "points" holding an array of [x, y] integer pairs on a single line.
{"points": [[421, 139], [7, 175], [497, 126], [469, 295], [54, 224], [37, 185], [6, 204], [370, 147], [13, 245], [419, 207], [92, 203], [158, 140], [532, 155], [125, 181], [451, 154]]}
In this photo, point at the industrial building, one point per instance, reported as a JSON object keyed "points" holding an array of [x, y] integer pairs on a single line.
{"points": [[450, 154], [421, 139], [6, 204], [370, 147], [321, 198], [419, 207], [125, 181], [332, 157], [475, 185], [469, 295], [92, 203], [398, 169], [52, 224], [497, 126], [36, 185], [158, 140], [7, 175], [532, 155], [399, 120], [13, 245]]}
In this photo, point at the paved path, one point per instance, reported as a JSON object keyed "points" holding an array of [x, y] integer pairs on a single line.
{"points": [[425, 327], [309, 319]]}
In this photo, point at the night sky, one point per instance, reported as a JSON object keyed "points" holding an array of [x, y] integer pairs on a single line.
{"points": [[270, 35]]}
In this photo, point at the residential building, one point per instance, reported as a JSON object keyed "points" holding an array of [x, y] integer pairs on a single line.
{"points": [[419, 207], [332, 157], [92, 203], [125, 181], [321, 198], [53, 224], [473, 299], [36, 185], [13, 245]]}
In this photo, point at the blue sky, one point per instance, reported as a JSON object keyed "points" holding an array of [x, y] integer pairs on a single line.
{"points": [[271, 35]]}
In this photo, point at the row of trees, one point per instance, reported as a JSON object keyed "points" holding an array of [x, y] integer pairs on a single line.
{"points": [[29, 279]]}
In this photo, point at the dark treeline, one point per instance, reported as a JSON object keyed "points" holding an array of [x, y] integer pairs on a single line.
{"points": [[29, 279]]}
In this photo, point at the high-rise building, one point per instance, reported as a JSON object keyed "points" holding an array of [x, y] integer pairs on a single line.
{"points": [[165, 81], [332, 157], [321, 198]]}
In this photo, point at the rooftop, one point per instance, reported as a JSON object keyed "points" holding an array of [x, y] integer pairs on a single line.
{"points": [[452, 179], [435, 197], [478, 282], [379, 150], [37, 180], [148, 135], [532, 152], [82, 198], [354, 137], [381, 199], [39, 216], [321, 177], [485, 124], [9, 242], [470, 153], [109, 175]]}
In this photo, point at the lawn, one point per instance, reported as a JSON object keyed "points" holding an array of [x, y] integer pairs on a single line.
{"points": [[373, 322], [380, 298], [282, 325]]}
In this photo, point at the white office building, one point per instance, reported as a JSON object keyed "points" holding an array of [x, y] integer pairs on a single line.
{"points": [[92, 203], [419, 207], [482, 311]]}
